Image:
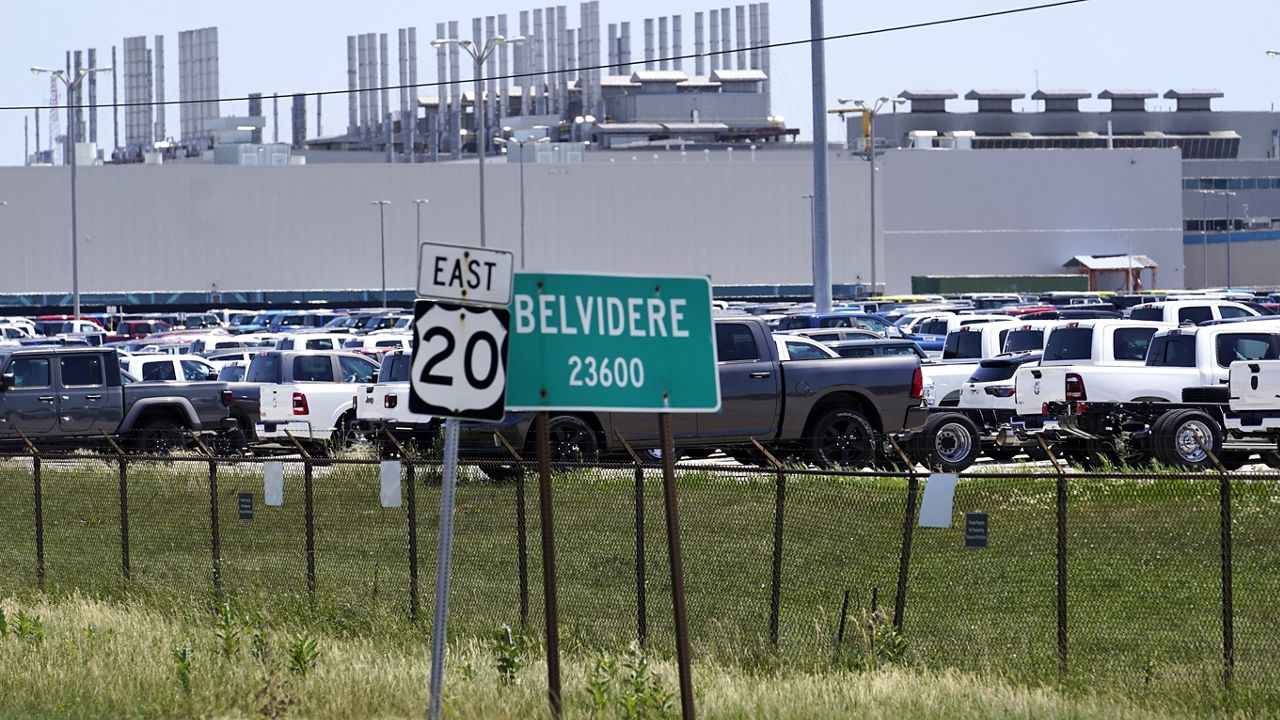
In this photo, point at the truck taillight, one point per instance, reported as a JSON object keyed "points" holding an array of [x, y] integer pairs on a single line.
{"points": [[228, 398], [1075, 388], [390, 401], [917, 385], [1000, 391], [300, 404]]}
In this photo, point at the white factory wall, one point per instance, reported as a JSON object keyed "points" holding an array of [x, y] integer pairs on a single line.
{"points": [[1004, 212], [197, 227]]}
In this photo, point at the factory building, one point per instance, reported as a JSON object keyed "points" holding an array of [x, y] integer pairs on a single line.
{"points": [[1230, 171]]}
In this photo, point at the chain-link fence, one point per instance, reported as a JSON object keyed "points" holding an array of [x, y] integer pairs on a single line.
{"points": [[1119, 576]]}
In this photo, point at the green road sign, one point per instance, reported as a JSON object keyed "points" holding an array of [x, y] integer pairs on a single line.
{"points": [[612, 343]]}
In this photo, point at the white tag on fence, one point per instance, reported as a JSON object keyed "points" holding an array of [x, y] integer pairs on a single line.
{"points": [[390, 475], [939, 495], [273, 483]]}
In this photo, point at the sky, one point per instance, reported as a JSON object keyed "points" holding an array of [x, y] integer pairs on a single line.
{"points": [[278, 47]]}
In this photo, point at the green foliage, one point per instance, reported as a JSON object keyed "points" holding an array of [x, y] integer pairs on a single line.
{"points": [[629, 688], [228, 631], [877, 643], [4, 623], [258, 646], [303, 654], [28, 627], [182, 654], [510, 654]]}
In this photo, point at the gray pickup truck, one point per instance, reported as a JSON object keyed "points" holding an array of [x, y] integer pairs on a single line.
{"points": [[67, 397], [831, 412]]}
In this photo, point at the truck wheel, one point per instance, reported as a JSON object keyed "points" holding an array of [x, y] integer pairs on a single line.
{"points": [[949, 442], [1179, 434], [1271, 459], [842, 438], [158, 437], [573, 440], [344, 434]]}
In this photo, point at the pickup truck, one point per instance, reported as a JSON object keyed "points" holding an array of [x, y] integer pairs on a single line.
{"points": [[1192, 312], [966, 346], [309, 395], [1186, 369], [830, 411], [56, 396], [384, 406]]}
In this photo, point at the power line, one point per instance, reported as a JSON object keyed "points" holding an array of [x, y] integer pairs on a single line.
{"points": [[606, 66]]}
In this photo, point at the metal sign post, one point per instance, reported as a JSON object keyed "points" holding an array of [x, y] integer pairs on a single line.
{"points": [[459, 371], [613, 343]]}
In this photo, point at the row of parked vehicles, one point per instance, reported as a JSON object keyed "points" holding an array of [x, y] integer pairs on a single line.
{"points": [[832, 392]]}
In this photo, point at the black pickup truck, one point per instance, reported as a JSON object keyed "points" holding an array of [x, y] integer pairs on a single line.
{"points": [[70, 396], [831, 412]]}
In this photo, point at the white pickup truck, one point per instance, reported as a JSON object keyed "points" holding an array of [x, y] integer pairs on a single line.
{"points": [[309, 395], [968, 345], [1125, 402], [384, 407], [1191, 312]]}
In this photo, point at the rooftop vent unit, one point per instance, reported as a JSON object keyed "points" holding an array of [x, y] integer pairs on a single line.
{"points": [[1127, 100], [927, 101], [1193, 100], [994, 101], [1061, 100]]}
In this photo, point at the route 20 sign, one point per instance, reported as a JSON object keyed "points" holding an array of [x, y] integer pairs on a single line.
{"points": [[459, 367]]}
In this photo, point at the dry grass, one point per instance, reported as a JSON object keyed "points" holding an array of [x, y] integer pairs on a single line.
{"points": [[111, 659]]}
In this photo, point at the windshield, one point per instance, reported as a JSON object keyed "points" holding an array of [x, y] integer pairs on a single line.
{"points": [[1069, 344], [1024, 341]]}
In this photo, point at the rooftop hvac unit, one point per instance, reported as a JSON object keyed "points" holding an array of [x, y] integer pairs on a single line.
{"points": [[962, 139], [923, 139]]}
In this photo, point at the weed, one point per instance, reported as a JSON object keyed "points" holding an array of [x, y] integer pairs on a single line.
{"points": [[4, 623], [601, 683], [228, 631], [644, 697], [28, 627], [510, 651], [258, 646], [181, 654], [878, 642], [303, 654]]}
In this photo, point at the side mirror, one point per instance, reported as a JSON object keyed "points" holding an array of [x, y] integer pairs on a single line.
{"points": [[213, 375], [6, 381]]}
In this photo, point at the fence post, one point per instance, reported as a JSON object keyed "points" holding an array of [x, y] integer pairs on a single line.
{"points": [[908, 526], [37, 491], [1228, 608], [309, 514], [215, 530], [412, 510], [1062, 554], [124, 505], [522, 534], [642, 612], [779, 506]]}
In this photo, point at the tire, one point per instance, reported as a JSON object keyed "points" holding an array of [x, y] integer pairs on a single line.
{"points": [[842, 438], [158, 437], [573, 440], [344, 434], [949, 442], [1176, 434]]}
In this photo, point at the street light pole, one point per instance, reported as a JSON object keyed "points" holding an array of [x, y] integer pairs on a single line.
{"points": [[419, 202], [508, 142], [382, 241], [477, 107], [72, 85], [1228, 196], [869, 112]]}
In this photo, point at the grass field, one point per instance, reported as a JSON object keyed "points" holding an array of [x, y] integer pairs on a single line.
{"points": [[91, 658], [1144, 576]]}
